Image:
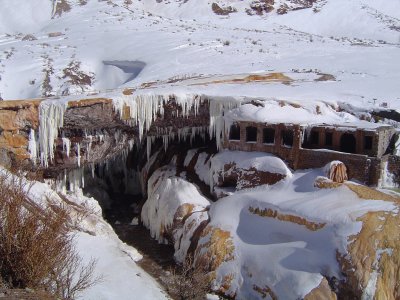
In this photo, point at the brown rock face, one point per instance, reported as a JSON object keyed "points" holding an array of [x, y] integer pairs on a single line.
{"points": [[217, 249], [83, 120], [270, 213], [234, 176], [14, 144], [323, 291], [338, 172], [375, 250]]}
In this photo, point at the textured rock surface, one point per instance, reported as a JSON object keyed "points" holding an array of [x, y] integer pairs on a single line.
{"points": [[93, 124], [246, 178]]}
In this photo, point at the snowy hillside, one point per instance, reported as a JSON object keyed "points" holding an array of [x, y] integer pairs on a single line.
{"points": [[83, 46]]}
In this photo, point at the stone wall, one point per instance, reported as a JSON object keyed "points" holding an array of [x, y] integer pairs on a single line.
{"points": [[16, 120], [363, 167], [359, 167], [285, 152]]}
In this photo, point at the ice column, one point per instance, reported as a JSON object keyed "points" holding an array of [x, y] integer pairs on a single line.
{"points": [[51, 117]]}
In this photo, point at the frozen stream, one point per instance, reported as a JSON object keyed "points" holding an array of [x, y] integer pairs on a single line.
{"points": [[157, 258]]}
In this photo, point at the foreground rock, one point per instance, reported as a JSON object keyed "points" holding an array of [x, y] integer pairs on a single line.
{"points": [[289, 240]]}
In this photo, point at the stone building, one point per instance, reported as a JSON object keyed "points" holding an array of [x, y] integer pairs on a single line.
{"points": [[367, 149]]}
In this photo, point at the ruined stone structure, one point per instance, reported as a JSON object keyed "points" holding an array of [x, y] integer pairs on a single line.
{"points": [[366, 151], [94, 131]]}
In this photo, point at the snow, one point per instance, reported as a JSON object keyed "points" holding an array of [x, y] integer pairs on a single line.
{"points": [[166, 193], [123, 279], [177, 48], [95, 238], [181, 44], [285, 256], [260, 161], [299, 255]]}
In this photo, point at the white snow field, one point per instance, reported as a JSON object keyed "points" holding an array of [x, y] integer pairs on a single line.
{"points": [[357, 42]]}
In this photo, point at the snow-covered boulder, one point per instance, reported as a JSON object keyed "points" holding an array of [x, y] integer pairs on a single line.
{"points": [[336, 171], [242, 170], [174, 209]]}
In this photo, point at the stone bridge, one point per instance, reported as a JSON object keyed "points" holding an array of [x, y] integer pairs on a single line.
{"points": [[92, 130]]}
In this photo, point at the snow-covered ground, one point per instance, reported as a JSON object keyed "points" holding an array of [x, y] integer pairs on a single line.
{"points": [[343, 52], [355, 41], [95, 239]]}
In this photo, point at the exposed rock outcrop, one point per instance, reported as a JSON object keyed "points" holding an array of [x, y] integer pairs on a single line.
{"points": [[92, 130], [372, 266], [336, 171]]}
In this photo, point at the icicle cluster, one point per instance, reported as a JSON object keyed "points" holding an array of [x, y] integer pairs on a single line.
{"points": [[51, 116], [143, 109], [218, 107]]}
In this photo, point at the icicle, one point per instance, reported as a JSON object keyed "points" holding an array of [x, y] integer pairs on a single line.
{"points": [[131, 144], [51, 118], [217, 109], [66, 145], [89, 146], [150, 141], [386, 179], [76, 179], [165, 142], [79, 154], [32, 146], [143, 109], [61, 183]]}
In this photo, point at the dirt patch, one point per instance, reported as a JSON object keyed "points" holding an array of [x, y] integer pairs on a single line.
{"points": [[61, 6], [128, 92], [222, 11], [76, 77], [272, 77], [325, 77], [29, 37], [259, 7], [325, 183], [270, 213]]}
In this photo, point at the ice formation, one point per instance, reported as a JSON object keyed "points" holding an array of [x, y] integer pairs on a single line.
{"points": [[78, 146], [143, 109], [51, 116], [32, 146], [386, 179], [66, 145], [217, 122]]}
